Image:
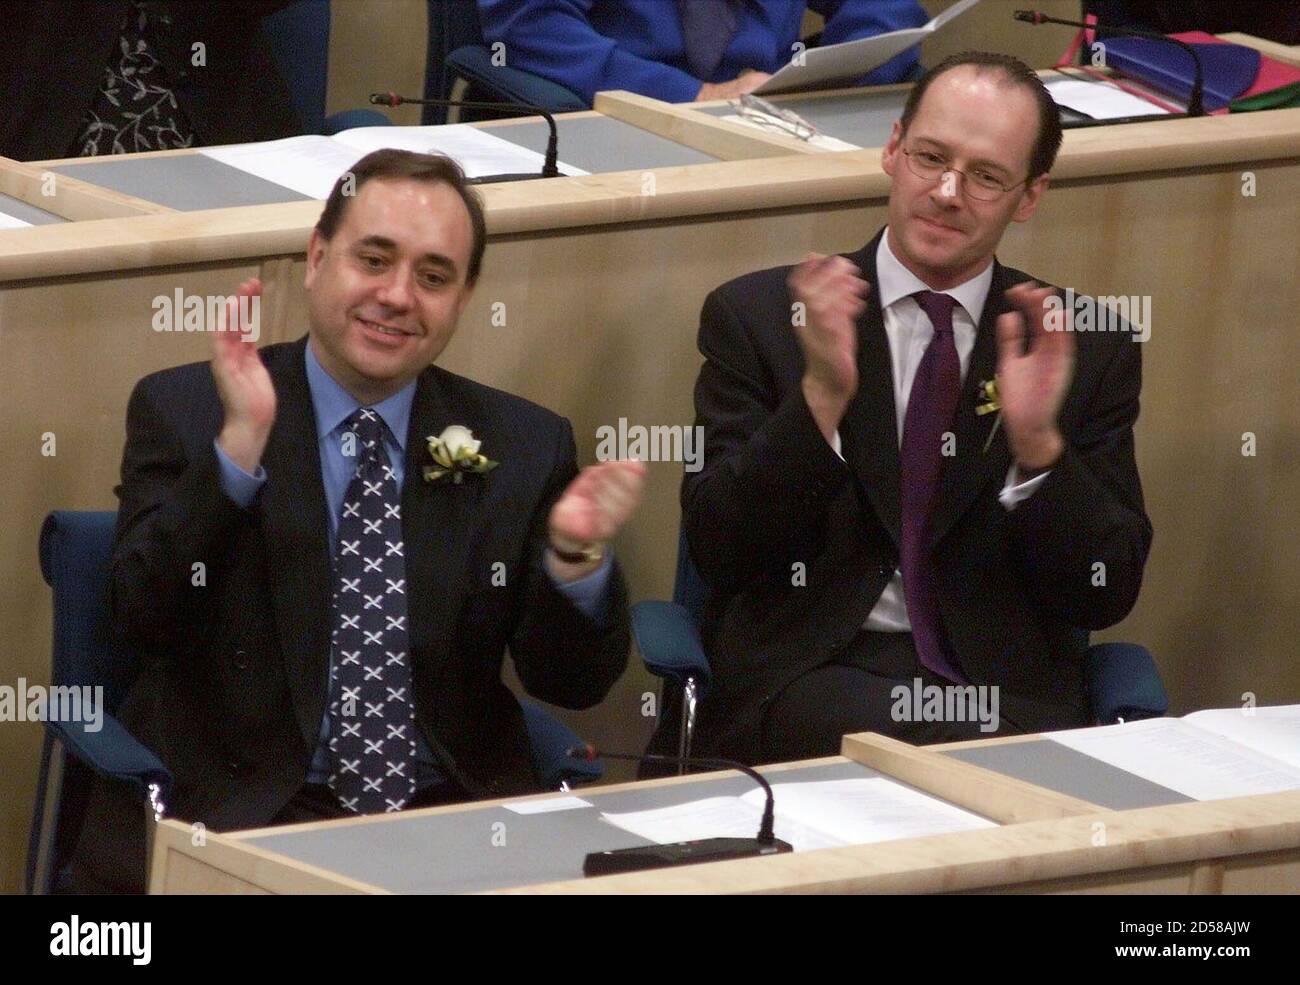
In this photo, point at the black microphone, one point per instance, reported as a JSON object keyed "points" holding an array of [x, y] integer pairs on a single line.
{"points": [[550, 169], [685, 852], [1195, 106]]}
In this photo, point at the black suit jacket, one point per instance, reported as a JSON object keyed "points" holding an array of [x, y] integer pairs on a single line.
{"points": [[234, 664], [1014, 587]]}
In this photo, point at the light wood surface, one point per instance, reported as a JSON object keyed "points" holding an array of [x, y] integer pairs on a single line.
{"points": [[69, 197], [723, 139], [1001, 798], [1247, 844]]}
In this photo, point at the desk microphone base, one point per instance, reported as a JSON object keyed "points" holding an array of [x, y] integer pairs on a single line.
{"points": [[680, 853]]}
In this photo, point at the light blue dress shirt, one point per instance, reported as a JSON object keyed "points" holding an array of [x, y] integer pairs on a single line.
{"points": [[333, 405]]}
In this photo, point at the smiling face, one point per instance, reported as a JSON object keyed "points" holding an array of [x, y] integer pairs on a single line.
{"points": [[976, 121], [385, 291]]}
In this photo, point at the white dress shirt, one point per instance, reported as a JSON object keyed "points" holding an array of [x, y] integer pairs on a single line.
{"points": [[910, 332]]}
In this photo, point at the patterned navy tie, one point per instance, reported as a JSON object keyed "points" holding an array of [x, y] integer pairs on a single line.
{"points": [[372, 709], [930, 409]]}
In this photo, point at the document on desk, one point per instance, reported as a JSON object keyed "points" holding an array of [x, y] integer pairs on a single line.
{"points": [[11, 222], [1208, 755], [1100, 100], [815, 68], [311, 164], [479, 152], [821, 814]]}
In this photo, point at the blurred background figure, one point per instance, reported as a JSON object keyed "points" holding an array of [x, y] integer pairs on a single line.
{"points": [[121, 76], [681, 50]]}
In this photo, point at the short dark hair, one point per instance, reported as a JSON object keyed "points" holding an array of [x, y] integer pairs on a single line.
{"points": [[402, 164], [1017, 72]]}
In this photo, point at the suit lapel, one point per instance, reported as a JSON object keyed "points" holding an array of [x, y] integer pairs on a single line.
{"points": [[971, 468], [437, 522], [869, 430], [294, 527]]}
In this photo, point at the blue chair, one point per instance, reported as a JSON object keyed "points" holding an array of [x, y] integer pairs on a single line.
{"points": [[457, 50], [299, 36], [75, 551], [1122, 680]]}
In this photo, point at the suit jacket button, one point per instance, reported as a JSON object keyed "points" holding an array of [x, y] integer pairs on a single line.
{"points": [[234, 767], [240, 660]]}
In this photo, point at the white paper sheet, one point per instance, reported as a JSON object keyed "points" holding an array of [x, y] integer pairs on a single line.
{"points": [[1274, 731], [1100, 100], [716, 817], [861, 811], [1179, 755], [11, 222], [308, 165], [547, 805], [477, 151], [823, 814], [847, 61], [311, 164]]}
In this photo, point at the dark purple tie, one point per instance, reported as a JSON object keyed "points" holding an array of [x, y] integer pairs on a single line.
{"points": [[930, 410], [707, 28]]}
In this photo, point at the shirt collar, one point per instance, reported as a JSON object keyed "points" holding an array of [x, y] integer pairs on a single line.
{"points": [[897, 282], [333, 404]]}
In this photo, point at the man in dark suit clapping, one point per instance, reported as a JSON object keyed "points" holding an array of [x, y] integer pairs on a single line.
{"points": [[325, 547], [911, 481]]}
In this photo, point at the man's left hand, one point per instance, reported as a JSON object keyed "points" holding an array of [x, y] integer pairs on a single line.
{"points": [[591, 511], [1032, 385]]}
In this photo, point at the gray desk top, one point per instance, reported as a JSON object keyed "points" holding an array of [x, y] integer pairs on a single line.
{"points": [[493, 848], [190, 182], [187, 182], [602, 144], [1057, 767], [19, 209]]}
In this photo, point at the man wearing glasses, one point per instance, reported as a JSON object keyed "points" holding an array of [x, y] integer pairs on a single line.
{"points": [[916, 481]]}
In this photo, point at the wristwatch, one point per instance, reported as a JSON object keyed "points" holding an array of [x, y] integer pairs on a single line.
{"points": [[584, 555]]}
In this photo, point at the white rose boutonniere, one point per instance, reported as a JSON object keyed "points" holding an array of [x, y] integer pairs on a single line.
{"points": [[455, 452]]}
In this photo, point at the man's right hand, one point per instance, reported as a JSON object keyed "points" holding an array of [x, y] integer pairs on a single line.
{"points": [[737, 87], [833, 294], [247, 395]]}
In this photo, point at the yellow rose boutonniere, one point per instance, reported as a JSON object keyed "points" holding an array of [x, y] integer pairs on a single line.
{"points": [[988, 403]]}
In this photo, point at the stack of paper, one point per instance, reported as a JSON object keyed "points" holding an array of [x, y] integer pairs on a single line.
{"points": [[1207, 755], [311, 164], [825, 814], [820, 67]]}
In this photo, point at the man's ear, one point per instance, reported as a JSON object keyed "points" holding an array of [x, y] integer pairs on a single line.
{"points": [[889, 155], [1029, 199], [315, 253]]}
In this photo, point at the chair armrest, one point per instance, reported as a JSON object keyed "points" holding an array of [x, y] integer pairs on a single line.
{"points": [[474, 64], [669, 642], [1123, 682], [113, 752], [550, 740]]}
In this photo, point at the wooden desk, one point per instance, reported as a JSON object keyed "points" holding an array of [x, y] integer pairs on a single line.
{"points": [[1047, 842], [589, 303]]}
